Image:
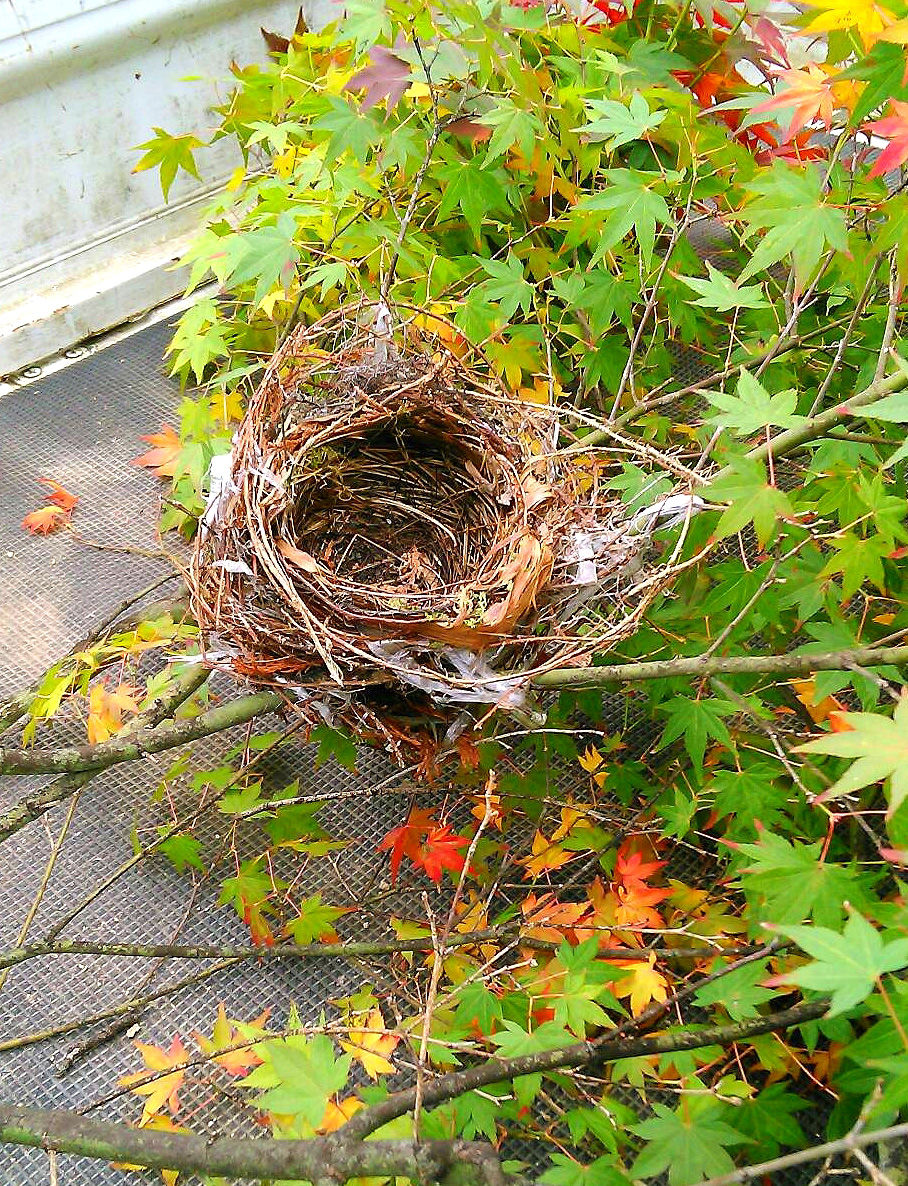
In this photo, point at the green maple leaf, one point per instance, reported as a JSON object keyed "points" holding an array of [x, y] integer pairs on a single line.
{"points": [[767, 1120], [507, 287], [740, 992], [793, 883], [753, 409], [846, 965], [633, 206], [791, 210], [749, 794], [753, 499], [511, 125], [513, 1040], [879, 746], [696, 721], [269, 254], [316, 921], [198, 340], [182, 851], [882, 71], [476, 192], [858, 560], [721, 293], [305, 1077], [350, 128], [169, 153], [620, 123], [689, 1143], [332, 743], [565, 1171], [476, 1003]]}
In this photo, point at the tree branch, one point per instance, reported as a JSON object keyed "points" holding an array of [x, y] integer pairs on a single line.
{"points": [[31, 808], [702, 666], [581, 1054], [322, 1159], [74, 759]]}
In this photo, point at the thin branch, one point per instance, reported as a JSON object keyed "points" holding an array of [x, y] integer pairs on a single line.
{"points": [[703, 666], [847, 1144]]}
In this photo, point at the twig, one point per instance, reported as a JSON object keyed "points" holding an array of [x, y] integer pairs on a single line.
{"points": [[846, 1144]]}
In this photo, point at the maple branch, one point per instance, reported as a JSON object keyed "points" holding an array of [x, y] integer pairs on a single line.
{"points": [[17, 706], [163, 707], [607, 1048], [319, 1160], [847, 1144], [19, 955], [74, 759], [702, 666]]}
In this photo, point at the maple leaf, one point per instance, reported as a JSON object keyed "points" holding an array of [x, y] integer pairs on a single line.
{"points": [[106, 709], [162, 1092], [371, 1045], [642, 984], [338, 1113], [547, 918], [59, 496], [168, 154], [895, 128], [441, 850], [254, 917], [546, 856], [46, 520], [225, 1035], [155, 1124], [162, 456], [809, 92], [388, 77], [869, 18], [405, 840]]}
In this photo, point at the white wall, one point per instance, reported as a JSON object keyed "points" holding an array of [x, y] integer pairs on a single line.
{"points": [[86, 243]]}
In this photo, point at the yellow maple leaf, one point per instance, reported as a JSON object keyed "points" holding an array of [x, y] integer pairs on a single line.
{"points": [[545, 856], [338, 1113], [269, 300], [162, 1092], [371, 1045], [158, 1124], [869, 18], [227, 406], [571, 815], [643, 984], [106, 709]]}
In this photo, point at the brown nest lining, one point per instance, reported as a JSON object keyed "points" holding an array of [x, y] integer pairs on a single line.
{"points": [[390, 518]]}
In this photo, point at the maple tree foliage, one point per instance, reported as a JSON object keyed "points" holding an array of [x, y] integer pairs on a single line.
{"points": [[692, 222]]}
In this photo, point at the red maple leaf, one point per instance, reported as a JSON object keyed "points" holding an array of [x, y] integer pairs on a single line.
{"points": [[808, 92], [440, 851], [405, 841], [388, 77], [895, 128], [259, 931]]}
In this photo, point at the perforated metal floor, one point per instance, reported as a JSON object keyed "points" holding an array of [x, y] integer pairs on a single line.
{"points": [[81, 426]]}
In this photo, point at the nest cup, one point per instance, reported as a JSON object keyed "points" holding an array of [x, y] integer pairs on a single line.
{"points": [[394, 518]]}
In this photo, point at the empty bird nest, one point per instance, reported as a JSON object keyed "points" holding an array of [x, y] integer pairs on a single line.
{"points": [[393, 532]]}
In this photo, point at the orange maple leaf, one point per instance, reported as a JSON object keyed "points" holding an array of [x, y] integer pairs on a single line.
{"points": [[547, 918], [441, 850], [818, 710], [809, 92], [895, 129], [106, 709], [161, 1092], [546, 855], [45, 520], [164, 454], [371, 1045], [338, 1113], [59, 496]]}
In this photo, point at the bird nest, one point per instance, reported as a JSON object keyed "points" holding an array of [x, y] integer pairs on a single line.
{"points": [[392, 528]]}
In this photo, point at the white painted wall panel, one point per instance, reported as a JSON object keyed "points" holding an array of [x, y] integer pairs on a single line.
{"points": [[85, 241]]}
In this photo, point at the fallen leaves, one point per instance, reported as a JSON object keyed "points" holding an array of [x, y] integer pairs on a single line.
{"points": [[56, 514]]}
